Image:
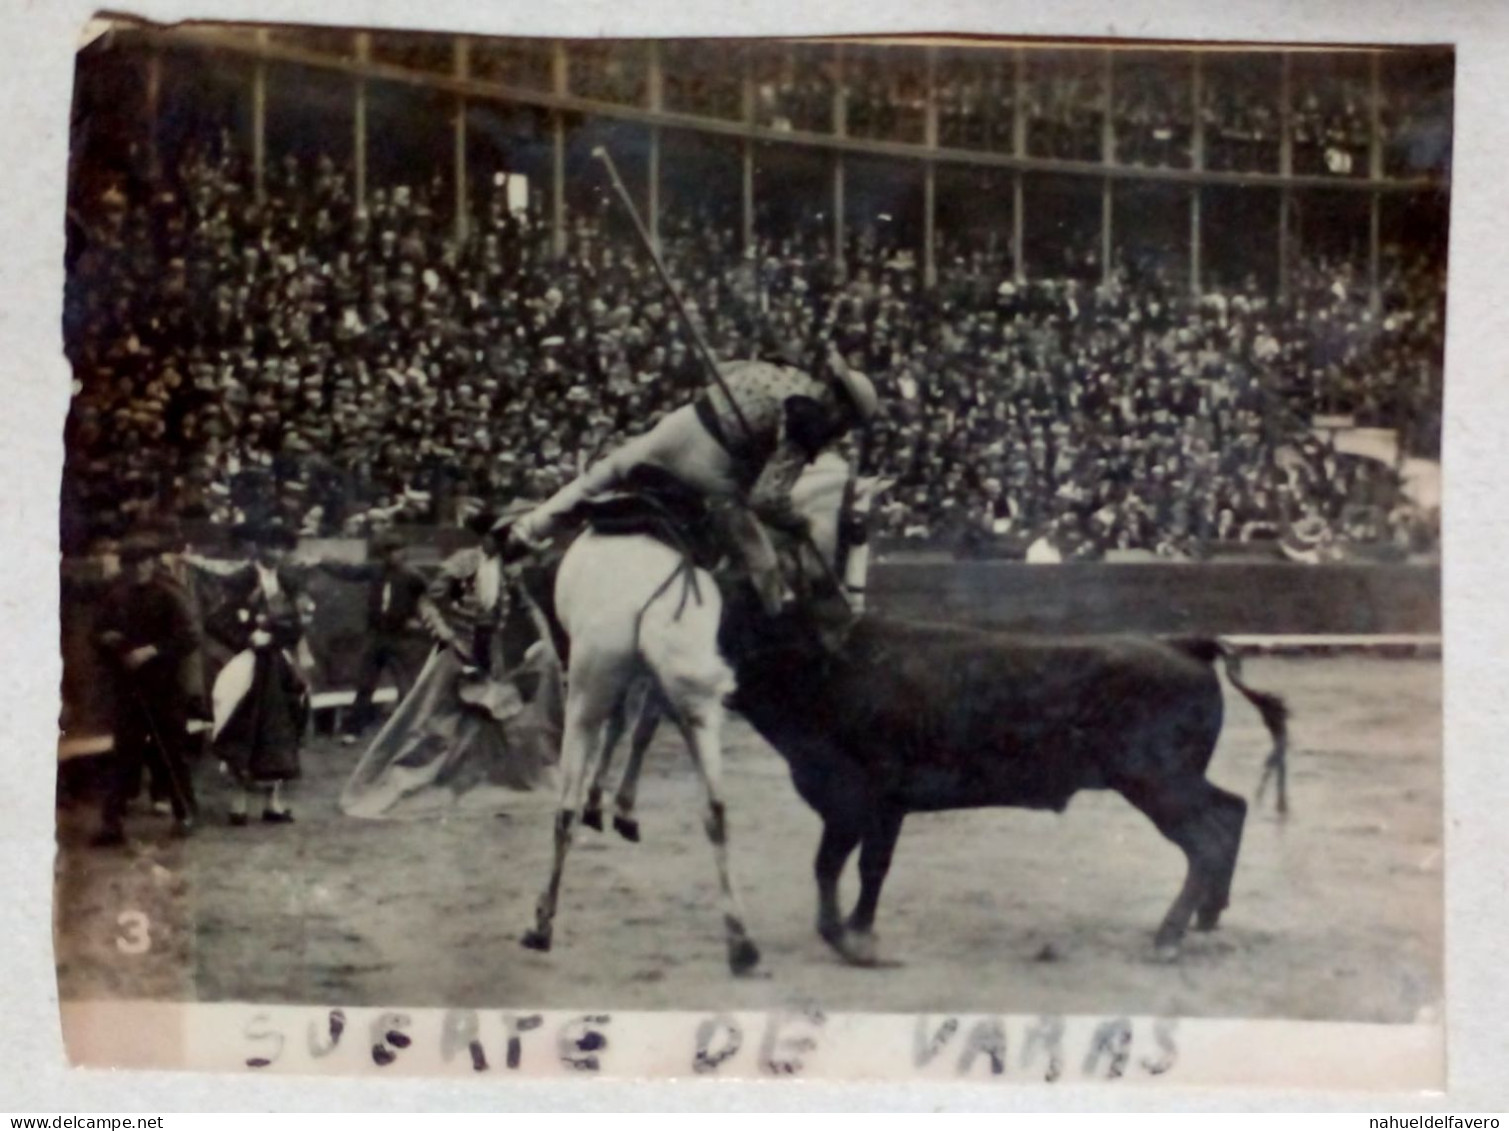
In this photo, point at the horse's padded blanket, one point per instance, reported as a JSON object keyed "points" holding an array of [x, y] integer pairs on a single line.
{"points": [[655, 504]]}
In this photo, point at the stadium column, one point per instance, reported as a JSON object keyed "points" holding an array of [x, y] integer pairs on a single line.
{"points": [[1108, 159], [359, 118], [154, 100], [1197, 163], [1196, 249], [1107, 200], [655, 92], [1018, 228], [930, 175], [1286, 170], [1375, 174], [1019, 151], [558, 153], [259, 116], [840, 130], [459, 172], [746, 148]]}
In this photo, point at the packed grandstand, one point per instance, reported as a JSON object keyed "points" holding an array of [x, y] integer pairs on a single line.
{"points": [[356, 363]]}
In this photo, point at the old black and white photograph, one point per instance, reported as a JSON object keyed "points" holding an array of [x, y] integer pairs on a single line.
{"points": [[921, 527]]}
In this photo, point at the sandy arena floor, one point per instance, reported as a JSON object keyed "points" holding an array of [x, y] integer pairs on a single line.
{"points": [[1336, 913]]}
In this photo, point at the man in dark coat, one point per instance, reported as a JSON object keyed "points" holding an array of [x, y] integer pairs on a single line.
{"points": [[393, 594], [145, 634]]}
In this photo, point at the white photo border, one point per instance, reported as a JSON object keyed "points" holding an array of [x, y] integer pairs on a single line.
{"points": [[38, 80]]}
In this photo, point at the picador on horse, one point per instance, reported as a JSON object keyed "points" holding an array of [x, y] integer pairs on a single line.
{"points": [[884, 718], [740, 445]]}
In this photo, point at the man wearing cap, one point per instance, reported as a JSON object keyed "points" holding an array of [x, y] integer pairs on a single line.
{"points": [[748, 443], [393, 595], [144, 632]]}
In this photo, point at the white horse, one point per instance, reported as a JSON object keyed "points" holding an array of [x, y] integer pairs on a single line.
{"points": [[820, 494], [634, 608]]}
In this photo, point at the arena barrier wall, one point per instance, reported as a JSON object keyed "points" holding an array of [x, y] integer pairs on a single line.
{"points": [[1277, 599], [1272, 598]]}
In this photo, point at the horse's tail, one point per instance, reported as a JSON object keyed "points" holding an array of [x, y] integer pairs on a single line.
{"points": [[1272, 708]]}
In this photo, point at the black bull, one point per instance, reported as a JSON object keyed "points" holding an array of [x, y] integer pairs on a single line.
{"points": [[909, 717], [917, 718]]}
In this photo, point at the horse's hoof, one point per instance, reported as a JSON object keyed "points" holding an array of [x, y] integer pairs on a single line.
{"points": [[859, 949], [593, 819], [1165, 953], [1207, 920], [535, 939], [626, 827], [743, 956]]}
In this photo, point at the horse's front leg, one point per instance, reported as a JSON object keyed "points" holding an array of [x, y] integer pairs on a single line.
{"points": [[583, 731]]}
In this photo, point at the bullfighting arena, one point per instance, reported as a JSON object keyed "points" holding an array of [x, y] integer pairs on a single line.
{"points": [[1336, 912]]}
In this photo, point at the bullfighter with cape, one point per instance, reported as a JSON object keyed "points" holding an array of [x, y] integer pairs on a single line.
{"points": [[465, 739]]}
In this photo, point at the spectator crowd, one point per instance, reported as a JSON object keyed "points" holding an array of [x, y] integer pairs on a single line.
{"points": [[346, 368], [1063, 94]]}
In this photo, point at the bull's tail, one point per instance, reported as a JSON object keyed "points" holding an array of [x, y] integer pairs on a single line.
{"points": [[1272, 708], [1275, 714]]}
